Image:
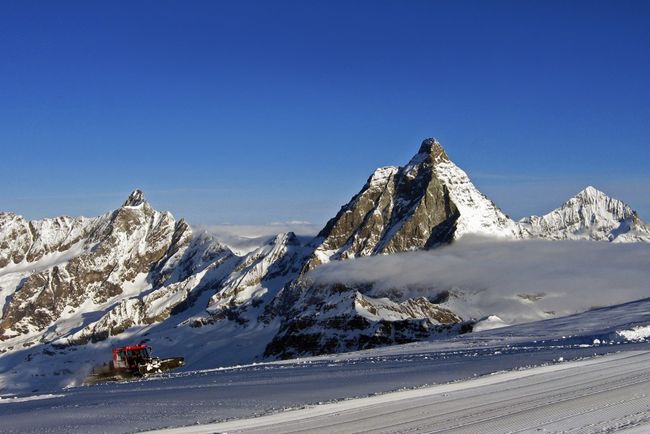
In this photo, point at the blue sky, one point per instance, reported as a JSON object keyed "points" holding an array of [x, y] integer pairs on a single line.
{"points": [[256, 112]]}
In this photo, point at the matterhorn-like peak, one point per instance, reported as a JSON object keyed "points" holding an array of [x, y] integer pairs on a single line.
{"points": [[432, 147], [136, 198]]}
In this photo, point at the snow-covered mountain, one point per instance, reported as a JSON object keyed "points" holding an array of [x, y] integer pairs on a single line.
{"points": [[589, 215], [61, 268], [72, 283], [428, 202]]}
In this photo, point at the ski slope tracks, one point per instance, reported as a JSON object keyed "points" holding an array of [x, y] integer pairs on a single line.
{"points": [[507, 379]]}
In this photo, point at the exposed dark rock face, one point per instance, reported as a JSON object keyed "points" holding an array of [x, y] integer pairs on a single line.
{"points": [[336, 318], [408, 208], [136, 198], [428, 202]]}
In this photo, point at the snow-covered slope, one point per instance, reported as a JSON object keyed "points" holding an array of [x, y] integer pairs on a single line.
{"points": [[477, 214]]}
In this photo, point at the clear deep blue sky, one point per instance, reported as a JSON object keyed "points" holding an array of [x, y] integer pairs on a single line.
{"points": [[254, 112]]}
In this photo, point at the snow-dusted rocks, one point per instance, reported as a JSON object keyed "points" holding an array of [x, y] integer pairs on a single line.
{"points": [[136, 198], [91, 262], [423, 204], [258, 277], [590, 215], [336, 318], [198, 263], [25, 242]]}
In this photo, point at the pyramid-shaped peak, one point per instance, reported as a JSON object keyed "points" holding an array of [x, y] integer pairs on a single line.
{"points": [[136, 198], [590, 192], [432, 147], [591, 196]]}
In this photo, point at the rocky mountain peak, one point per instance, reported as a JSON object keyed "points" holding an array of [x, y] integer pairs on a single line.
{"points": [[136, 198], [428, 202], [433, 148], [590, 214], [601, 203]]}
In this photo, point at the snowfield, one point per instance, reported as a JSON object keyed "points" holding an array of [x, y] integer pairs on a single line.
{"points": [[608, 393], [546, 376]]}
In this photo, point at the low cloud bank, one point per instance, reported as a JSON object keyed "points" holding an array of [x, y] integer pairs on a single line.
{"points": [[516, 280]]}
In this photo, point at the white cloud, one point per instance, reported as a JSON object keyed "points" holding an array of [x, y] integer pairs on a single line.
{"points": [[516, 280]]}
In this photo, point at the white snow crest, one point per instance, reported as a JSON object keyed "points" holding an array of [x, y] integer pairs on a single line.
{"points": [[636, 334]]}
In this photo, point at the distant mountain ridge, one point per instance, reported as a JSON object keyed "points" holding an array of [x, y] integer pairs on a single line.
{"points": [[589, 215], [69, 282]]}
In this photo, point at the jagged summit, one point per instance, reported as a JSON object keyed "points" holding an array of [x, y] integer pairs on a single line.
{"points": [[607, 204], [590, 214], [136, 198], [590, 192], [428, 202], [432, 147]]}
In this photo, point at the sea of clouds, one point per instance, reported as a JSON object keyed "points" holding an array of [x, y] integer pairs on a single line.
{"points": [[517, 280]]}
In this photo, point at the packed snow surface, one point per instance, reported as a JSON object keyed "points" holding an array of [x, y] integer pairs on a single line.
{"points": [[599, 395], [596, 394]]}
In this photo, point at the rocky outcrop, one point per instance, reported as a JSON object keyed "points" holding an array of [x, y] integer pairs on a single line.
{"points": [[23, 242], [428, 202], [198, 266], [116, 253], [337, 318], [259, 276]]}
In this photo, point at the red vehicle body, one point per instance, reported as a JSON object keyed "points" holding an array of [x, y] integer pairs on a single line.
{"points": [[130, 357]]}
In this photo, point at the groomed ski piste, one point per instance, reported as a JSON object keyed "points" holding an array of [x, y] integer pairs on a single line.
{"points": [[588, 372]]}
